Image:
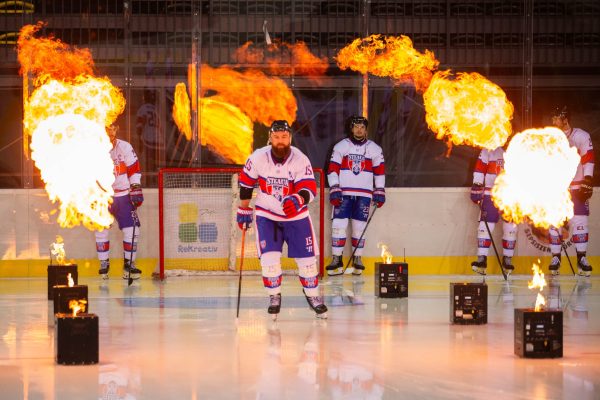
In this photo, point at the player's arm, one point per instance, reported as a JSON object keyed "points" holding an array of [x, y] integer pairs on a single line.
{"points": [[586, 151], [305, 190], [379, 178], [481, 167], [247, 180], [134, 175], [333, 177]]}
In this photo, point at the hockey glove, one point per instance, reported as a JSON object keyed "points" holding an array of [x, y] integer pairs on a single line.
{"points": [[586, 189], [244, 217], [135, 195], [292, 204], [379, 197], [476, 193], [335, 196]]}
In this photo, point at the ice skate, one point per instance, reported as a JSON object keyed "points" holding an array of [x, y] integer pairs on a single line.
{"points": [[336, 267], [130, 271], [508, 266], [104, 268], [583, 266], [554, 266], [317, 305], [357, 265], [480, 265], [274, 305]]}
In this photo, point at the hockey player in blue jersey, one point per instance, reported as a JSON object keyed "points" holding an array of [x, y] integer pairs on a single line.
{"points": [[356, 177], [286, 184]]}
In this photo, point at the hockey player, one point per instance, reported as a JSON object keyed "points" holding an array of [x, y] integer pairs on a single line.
{"points": [[286, 184], [356, 177], [488, 166], [127, 198], [581, 190]]}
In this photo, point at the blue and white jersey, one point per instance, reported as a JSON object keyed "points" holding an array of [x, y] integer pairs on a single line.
{"points": [[278, 180]]}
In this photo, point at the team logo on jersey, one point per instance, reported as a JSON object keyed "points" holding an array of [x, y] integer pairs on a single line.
{"points": [[278, 187], [356, 163]]}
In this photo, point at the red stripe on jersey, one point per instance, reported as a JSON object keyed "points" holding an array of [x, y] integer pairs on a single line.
{"points": [[333, 167], [494, 168], [480, 166], [133, 169], [246, 180], [120, 169], [587, 157], [379, 170], [308, 184], [368, 167]]}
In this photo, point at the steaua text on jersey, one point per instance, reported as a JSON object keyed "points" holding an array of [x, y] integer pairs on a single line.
{"points": [[357, 168], [127, 167], [489, 164], [278, 180]]}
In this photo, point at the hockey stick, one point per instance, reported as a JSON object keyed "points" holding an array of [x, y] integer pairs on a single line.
{"points": [[135, 221], [564, 248], [360, 238], [237, 314], [484, 218]]}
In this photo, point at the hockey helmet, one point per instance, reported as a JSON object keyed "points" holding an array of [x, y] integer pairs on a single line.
{"points": [[358, 120], [561, 112], [280, 125]]}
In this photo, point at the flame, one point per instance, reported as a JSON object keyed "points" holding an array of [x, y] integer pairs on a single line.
{"points": [[70, 280], [385, 253], [539, 166], [284, 59], [389, 56], [77, 306], [65, 115], [538, 282], [57, 249], [181, 111], [468, 109]]}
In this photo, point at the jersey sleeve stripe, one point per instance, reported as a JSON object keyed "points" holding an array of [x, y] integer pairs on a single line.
{"points": [[133, 169], [308, 184], [246, 180], [587, 157]]}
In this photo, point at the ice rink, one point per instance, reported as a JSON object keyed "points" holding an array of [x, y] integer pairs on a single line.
{"points": [[180, 340]]}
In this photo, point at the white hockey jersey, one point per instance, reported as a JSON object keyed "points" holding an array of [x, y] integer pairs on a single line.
{"points": [[582, 141], [278, 180], [127, 167], [489, 164], [357, 168]]}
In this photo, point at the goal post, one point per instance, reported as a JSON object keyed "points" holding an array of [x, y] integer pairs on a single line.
{"points": [[198, 232]]}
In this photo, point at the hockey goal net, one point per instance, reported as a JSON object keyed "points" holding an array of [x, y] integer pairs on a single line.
{"points": [[198, 228]]}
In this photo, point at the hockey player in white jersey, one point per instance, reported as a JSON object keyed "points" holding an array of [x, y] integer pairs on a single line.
{"points": [[356, 177], [127, 198], [488, 166], [286, 184], [581, 189]]}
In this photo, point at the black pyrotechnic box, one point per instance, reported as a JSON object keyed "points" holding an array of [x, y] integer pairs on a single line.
{"points": [[63, 294], [538, 334], [76, 338], [468, 303], [391, 280], [57, 275]]}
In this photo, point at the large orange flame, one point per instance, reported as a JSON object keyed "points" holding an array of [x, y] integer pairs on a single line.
{"points": [[389, 56], [386, 255], [181, 111], [66, 116], [538, 282], [539, 166], [468, 109], [283, 59], [57, 249]]}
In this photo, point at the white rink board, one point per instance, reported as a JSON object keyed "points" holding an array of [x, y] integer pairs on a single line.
{"points": [[424, 221]]}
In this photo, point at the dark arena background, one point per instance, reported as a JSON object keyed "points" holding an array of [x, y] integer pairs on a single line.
{"points": [[174, 332]]}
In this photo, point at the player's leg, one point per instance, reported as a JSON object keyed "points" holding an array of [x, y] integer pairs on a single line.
{"points": [[509, 241], [103, 249], [303, 247], [579, 224], [129, 224], [339, 224], [489, 214], [269, 242], [360, 215]]}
